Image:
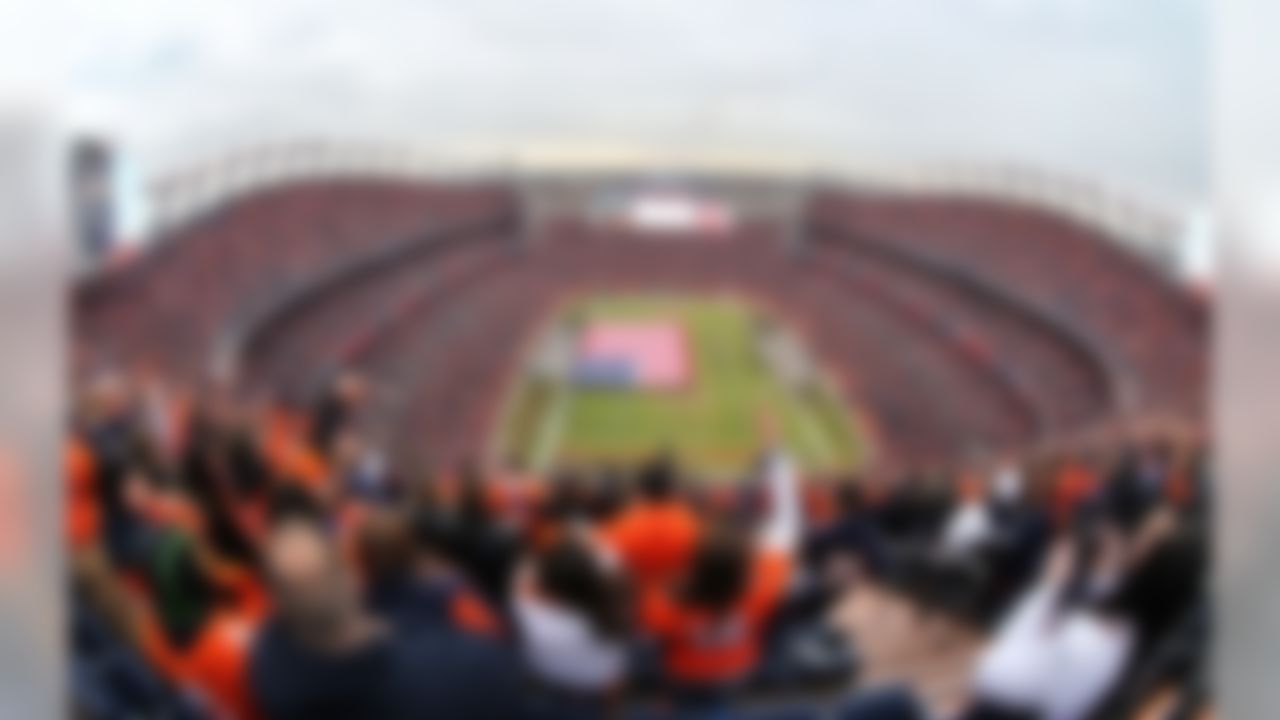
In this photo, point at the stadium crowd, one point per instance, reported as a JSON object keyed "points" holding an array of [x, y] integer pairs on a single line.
{"points": [[1143, 318], [254, 557]]}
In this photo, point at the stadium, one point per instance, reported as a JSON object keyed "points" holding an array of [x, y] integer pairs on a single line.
{"points": [[1034, 324], [489, 366]]}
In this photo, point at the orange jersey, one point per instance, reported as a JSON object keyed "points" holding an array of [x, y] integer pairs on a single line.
{"points": [[290, 456], [171, 511], [469, 612], [215, 665], [1074, 484], [84, 517], [302, 464], [443, 599], [654, 540], [820, 505], [514, 499], [1180, 490], [701, 646]]}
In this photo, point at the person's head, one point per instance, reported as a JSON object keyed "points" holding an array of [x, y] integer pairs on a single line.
{"points": [[216, 407], [1007, 483], [473, 503], [969, 488], [107, 397], [608, 495], [290, 500], [436, 535], [570, 574], [348, 449], [350, 389], [567, 497], [140, 486], [315, 597], [425, 490], [385, 544], [720, 568], [658, 479], [851, 498]]}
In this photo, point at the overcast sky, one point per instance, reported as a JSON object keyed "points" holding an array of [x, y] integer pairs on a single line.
{"points": [[1115, 89]]}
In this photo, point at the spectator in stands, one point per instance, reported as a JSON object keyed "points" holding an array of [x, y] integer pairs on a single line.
{"points": [[289, 455], [384, 558], [485, 549], [853, 532], [107, 425], [204, 621], [190, 613], [566, 504], [574, 626], [323, 656], [384, 605], [225, 473], [656, 535], [969, 525], [415, 576], [361, 471], [110, 679], [608, 495], [1105, 595], [947, 573], [1075, 484], [1020, 537], [711, 624], [336, 409], [1137, 482], [83, 527], [910, 516], [1170, 551], [319, 655]]}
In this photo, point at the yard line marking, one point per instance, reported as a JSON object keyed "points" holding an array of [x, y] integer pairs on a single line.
{"points": [[551, 432]]}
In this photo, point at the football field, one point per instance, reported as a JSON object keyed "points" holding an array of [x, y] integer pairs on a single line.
{"points": [[709, 422]]}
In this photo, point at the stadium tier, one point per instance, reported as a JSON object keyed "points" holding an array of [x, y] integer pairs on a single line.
{"points": [[218, 269]]}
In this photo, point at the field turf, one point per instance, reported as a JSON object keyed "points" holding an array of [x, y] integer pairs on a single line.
{"points": [[710, 424]]}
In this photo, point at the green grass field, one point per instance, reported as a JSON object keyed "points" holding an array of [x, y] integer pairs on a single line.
{"points": [[710, 425]]}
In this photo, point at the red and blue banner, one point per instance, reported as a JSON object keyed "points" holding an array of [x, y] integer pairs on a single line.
{"points": [[633, 354]]}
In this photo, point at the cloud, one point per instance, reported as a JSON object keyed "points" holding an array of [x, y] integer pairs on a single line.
{"points": [[1113, 89]]}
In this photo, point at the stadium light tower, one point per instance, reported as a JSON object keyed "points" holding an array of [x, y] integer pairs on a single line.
{"points": [[527, 207], [91, 196], [794, 204]]}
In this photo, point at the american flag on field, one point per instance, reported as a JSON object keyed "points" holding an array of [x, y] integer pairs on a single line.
{"points": [[634, 354]]}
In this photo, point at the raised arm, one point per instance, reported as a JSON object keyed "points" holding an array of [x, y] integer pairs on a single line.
{"points": [[782, 528]]}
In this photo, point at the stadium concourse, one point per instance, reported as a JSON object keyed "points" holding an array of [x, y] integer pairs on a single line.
{"points": [[285, 499]]}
